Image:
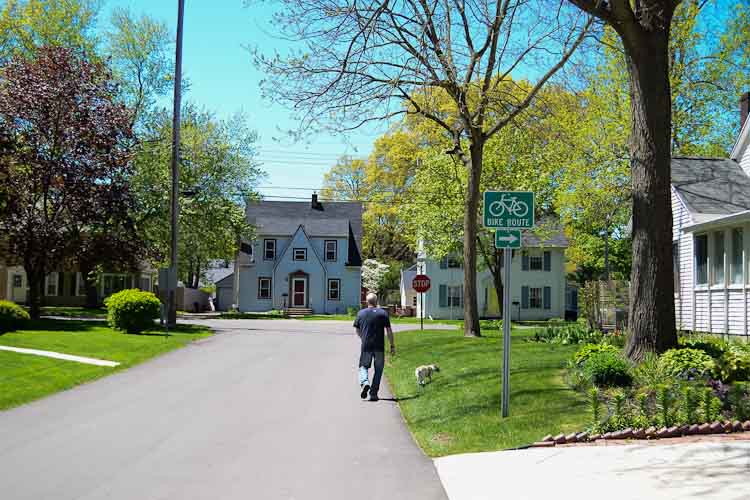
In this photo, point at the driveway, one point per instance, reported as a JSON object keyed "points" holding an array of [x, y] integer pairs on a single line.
{"points": [[652, 471], [264, 410]]}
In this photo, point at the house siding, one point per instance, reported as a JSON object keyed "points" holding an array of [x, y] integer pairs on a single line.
{"points": [[684, 292]]}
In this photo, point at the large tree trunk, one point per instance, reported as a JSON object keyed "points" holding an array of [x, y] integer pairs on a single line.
{"points": [[36, 287], [652, 317], [471, 205], [89, 285]]}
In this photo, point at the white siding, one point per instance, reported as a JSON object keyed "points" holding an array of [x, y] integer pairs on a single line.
{"points": [[744, 160], [701, 311], [718, 323], [684, 295], [736, 312]]}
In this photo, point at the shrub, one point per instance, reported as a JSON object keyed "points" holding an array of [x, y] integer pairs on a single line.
{"points": [[608, 369], [734, 363], [352, 311], [687, 363], [588, 350], [12, 316], [712, 346], [651, 373], [572, 334], [132, 310]]}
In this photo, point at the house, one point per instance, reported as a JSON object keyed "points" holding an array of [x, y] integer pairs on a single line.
{"points": [[408, 296], [538, 284], [711, 247], [306, 257], [67, 288]]}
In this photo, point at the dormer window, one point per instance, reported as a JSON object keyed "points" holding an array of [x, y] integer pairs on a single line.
{"points": [[331, 250], [299, 254], [269, 249]]}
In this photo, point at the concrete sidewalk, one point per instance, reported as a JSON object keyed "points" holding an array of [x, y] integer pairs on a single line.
{"points": [[263, 410], [706, 471]]}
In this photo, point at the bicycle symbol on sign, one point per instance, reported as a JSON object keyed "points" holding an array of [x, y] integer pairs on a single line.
{"points": [[510, 205]]}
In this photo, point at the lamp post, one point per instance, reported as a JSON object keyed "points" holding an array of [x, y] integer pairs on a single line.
{"points": [[172, 290]]}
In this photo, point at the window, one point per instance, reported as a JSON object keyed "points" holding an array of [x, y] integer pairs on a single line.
{"points": [[701, 259], [264, 288], [299, 254], [113, 283], [146, 283], [331, 247], [51, 287], [737, 252], [450, 262], [269, 249], [455, 296], [535, 262], [414, 301], [17, 281], [334, 289], [535, 298], [718, 258], [80, 285]]}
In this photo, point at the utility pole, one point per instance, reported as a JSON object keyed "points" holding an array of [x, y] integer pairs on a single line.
{"points": [[172, 290]]}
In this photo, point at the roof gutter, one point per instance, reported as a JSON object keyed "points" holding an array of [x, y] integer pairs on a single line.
{"points": [[726, 220]]}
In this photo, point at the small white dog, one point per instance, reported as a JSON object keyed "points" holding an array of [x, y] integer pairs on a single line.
{"points": [[424, 373]]}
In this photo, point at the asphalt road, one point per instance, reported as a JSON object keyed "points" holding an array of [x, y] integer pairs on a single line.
{"points": [[264, 410]]}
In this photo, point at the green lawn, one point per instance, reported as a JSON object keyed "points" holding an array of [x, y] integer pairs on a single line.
{"points": [[25, 377], [460, 411]]}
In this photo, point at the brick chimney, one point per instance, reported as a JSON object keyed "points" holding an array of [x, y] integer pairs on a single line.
{"points": [[316, 205], [744, 108]]}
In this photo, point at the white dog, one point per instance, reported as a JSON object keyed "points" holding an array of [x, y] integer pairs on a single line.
{"points": [[424, 373]]}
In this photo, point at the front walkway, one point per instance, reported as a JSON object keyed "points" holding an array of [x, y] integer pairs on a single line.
{"points": [[264, 410], [652, 471]]}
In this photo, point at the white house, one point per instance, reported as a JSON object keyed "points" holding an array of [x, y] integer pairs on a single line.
{"points": [[306, 257], [538, 290], [711, 219]]}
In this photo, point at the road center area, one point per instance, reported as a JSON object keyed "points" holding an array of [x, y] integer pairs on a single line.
{"points": [[264, 409]]}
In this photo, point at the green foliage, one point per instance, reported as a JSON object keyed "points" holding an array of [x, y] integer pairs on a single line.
{"points": [[571, 334], [352, 311], [588, 350], [651, 373], [734, 363], [595, 407], [710, 406], [666, 405], [713, 346], [608, 369], [687, 363], [12, 316], [739, 400], [132, 311]]}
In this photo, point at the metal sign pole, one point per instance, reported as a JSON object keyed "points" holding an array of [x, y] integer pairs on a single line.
{"points": [[421, 318], [507, 255]]}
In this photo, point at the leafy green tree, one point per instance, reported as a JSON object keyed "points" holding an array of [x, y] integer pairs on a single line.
{"points": [[217, 175], [26, 25]]}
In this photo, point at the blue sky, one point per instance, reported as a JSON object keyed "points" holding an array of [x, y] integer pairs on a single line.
{"points": [[224, 80]]}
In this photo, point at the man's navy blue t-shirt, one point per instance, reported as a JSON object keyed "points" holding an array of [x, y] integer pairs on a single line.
{"points": [[372, 322]]}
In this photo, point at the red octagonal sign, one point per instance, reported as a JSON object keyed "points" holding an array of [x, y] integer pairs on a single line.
{"points": [[421, 283]]}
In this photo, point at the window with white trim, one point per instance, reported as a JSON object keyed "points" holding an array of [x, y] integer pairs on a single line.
{"points": [[50, 289], [145, 283], [535, 298], [331, 250], [701, 259], [735, 264], [334, 289], [264, 288], [456, 296], [17, 281], [80, 285], [718, 258], [414, 301], [299, 254], [269, 249]]}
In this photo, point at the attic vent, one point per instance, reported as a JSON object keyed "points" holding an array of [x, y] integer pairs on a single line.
{"points": [[316, 205]]}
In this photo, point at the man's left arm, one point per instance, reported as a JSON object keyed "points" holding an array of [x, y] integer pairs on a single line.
{"points": [[389, 332]]}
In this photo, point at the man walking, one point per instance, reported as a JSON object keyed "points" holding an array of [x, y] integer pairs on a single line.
{"points": [[370, 325]]}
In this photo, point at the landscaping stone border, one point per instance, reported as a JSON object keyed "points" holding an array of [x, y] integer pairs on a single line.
{"points": [[717, 427]]}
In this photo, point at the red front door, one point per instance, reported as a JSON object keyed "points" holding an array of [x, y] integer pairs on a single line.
{"points": [[299, 292]]}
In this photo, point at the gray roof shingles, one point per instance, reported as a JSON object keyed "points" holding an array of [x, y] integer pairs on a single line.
{"points": [[711, 185]]}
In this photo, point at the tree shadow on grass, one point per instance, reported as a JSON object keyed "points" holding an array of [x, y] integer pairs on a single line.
{"points": [[52, 325]]}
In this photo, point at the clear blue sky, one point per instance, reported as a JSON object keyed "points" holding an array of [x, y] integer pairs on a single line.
{"points": [[224, 80]]}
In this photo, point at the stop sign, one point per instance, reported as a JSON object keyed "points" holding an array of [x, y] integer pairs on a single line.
{"points": [[421, 283]]}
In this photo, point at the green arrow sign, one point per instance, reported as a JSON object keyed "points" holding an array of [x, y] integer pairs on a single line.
{"points": [[508, 238], [509, 209]]}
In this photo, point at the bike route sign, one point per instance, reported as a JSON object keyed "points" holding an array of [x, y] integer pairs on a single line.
{"points": [[509, 209]]}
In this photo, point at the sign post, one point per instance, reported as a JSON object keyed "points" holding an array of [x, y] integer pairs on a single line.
{"points": [[508, 212], [421, 284]]}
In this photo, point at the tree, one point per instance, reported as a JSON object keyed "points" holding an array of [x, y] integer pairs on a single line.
{"points": [[217, 175], [139, 53], [644, 29], [347, 180], [69, 158], [363, 61], [373, 274], [28, 24]]}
